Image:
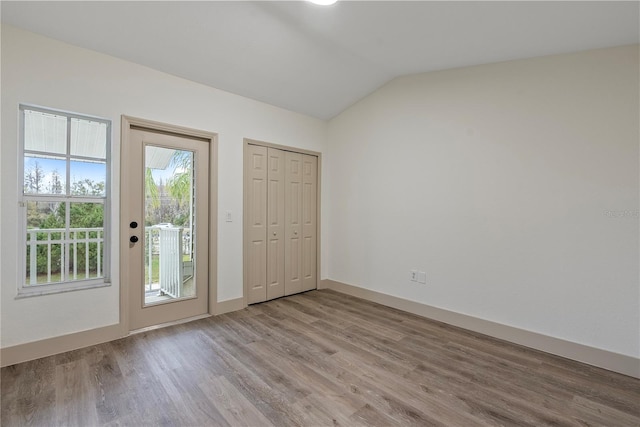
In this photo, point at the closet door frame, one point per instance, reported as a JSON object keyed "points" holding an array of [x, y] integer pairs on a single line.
{"points": [[247, 182]]}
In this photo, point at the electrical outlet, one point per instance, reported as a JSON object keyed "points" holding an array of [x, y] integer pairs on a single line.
{"points": [[228, 216], [414, 275], [422, 277]]}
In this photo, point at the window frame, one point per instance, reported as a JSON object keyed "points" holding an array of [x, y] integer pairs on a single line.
{"points": [[24, 288]]}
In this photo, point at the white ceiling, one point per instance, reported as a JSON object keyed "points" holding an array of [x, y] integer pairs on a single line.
{"points": [[320, 60]]}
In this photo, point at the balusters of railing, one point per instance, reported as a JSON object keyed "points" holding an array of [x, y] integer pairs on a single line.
{"points": [[75, 253], [33, 258], [64, 268], [149, 242], [99, 251], [86, 254], [49, 257], [69, 242]]}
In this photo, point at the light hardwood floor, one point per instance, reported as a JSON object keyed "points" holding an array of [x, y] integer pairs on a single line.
{"points": [[314, 359]]}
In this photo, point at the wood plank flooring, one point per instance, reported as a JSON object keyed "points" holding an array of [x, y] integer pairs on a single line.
{"points": [[314, 359]]}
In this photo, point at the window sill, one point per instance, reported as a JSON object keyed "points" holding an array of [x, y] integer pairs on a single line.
{"points": [[58, 288]]}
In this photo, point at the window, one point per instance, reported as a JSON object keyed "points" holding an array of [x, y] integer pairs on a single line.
{"points": [[65, 195]]}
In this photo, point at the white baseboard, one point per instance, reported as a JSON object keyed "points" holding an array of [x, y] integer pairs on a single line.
{"points": [[323, 284], [616, 362], [229, 305], [50, 346]]}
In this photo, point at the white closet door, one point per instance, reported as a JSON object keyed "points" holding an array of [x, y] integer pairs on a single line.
{"points": [[256, 192], [281, 190], [309, 221], [275, 223], [293, 223]]}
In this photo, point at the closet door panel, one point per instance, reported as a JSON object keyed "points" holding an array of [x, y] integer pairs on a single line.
{"points": [[275, 221], [257, 223], [309, 222], [293, 223]]}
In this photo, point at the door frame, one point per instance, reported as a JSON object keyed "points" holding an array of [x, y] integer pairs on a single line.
{"points": [[245, 204], [127, 122]]}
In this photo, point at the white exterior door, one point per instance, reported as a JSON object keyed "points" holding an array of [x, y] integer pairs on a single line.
{"points": [[165, 234]]}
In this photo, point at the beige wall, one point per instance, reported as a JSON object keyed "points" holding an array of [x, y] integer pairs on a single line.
{"points": [[41, 71], [513, 185]]}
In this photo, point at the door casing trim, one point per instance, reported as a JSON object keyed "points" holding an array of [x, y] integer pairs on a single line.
{"points": [[245, 203], [127, 122]]}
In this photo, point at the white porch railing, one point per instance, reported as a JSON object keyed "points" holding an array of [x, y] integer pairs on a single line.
{"points": [[170, 245], [171, 274], [75, 238]]}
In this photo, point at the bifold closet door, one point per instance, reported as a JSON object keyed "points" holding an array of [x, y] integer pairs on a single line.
{"points": [[293, 223], [257, 223], [281, 214], [300, 217], [275, 223], [309, 221]]}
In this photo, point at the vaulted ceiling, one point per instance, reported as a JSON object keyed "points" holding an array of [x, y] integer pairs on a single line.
{"points": [[319, 60]]}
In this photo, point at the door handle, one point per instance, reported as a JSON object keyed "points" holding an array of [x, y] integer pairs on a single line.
{"points": [[133, 239], [133, 224]]}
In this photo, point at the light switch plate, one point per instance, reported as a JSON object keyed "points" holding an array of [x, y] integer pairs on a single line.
{"points": [[228, 216], [422, 277]]}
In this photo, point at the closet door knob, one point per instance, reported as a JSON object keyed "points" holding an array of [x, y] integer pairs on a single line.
{"points": [[133, 239]]}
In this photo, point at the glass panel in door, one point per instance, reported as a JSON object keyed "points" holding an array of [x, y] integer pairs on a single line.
{"points": [[169, 249]]}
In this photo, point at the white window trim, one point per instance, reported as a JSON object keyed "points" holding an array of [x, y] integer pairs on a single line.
{"points": [[24, 290]]}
